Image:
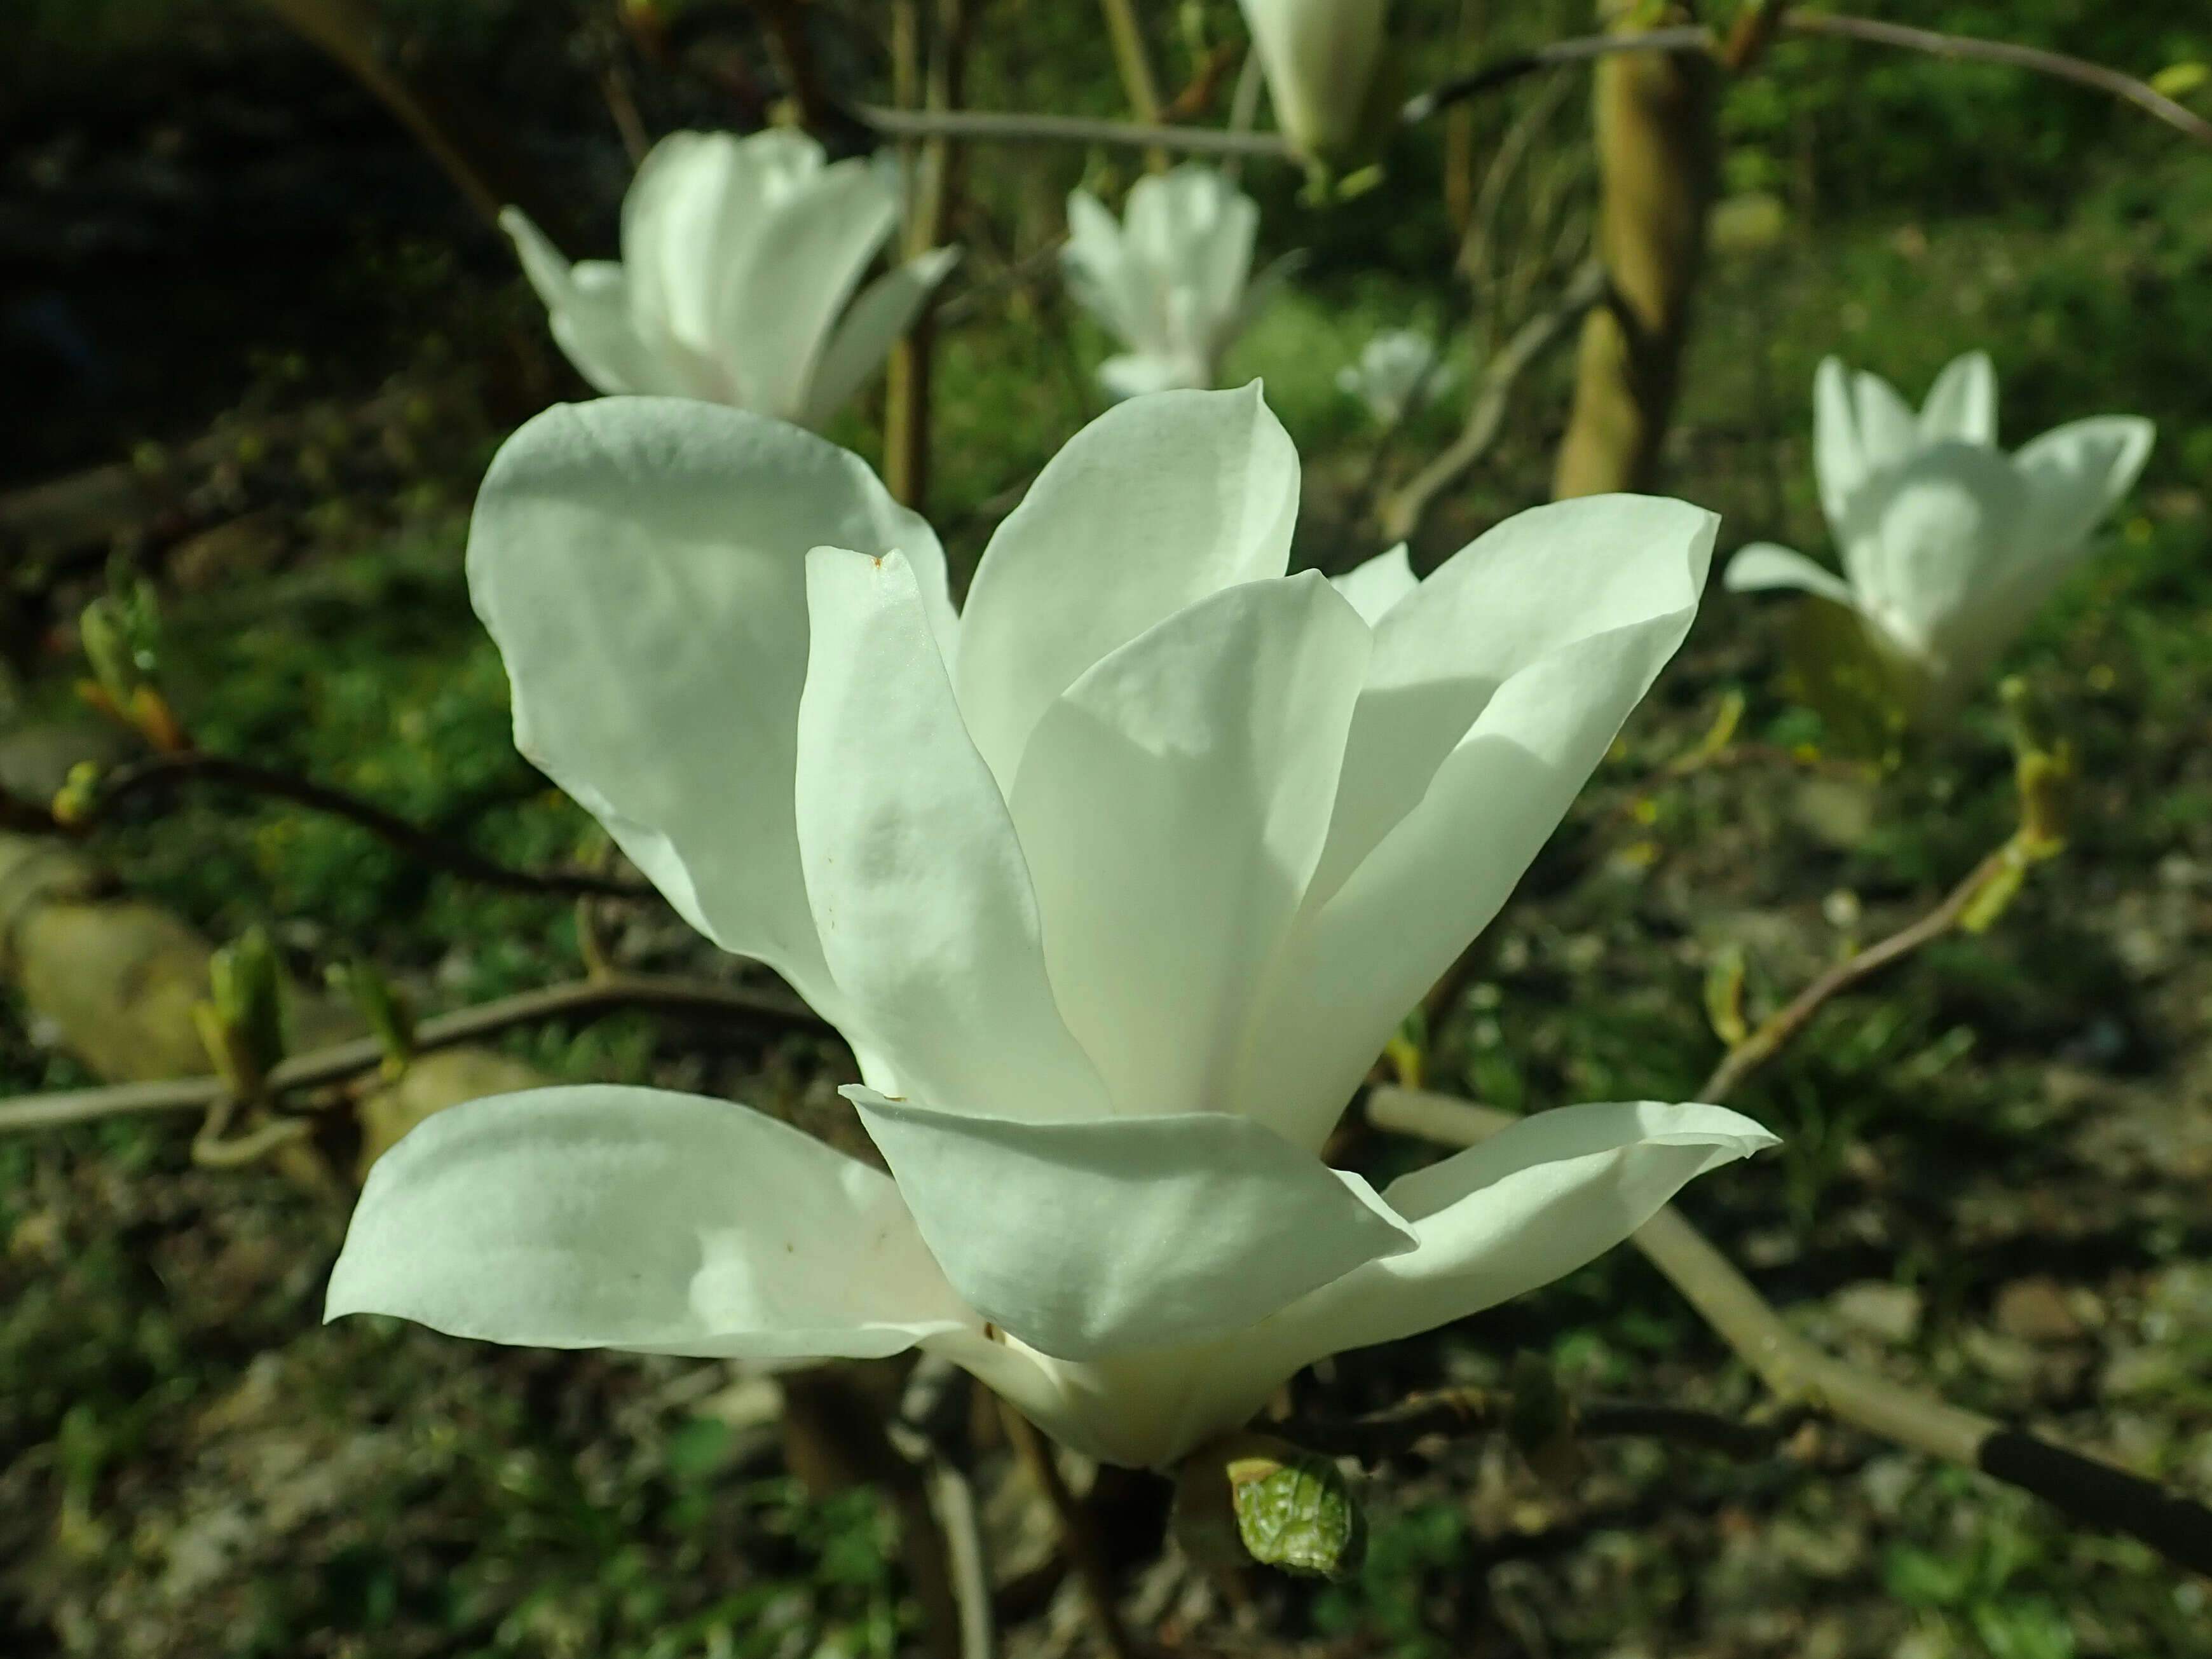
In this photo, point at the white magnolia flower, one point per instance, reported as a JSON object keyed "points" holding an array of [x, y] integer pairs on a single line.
{"points": [[1948, 544], [739, 257], [1116, 882], [1171, 282], [1397, 369], [1320, 58]]}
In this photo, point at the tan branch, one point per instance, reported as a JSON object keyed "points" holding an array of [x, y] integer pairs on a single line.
{"points": [[1003, 127]]}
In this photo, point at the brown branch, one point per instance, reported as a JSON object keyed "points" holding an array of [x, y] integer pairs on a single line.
{"points": [[578, 999], [1689, 37], [1485, 421], [165, 771], [1454, 1414], [1078, 1540], [1801, 1374], [1967, 48], [1004, 127], [1763, 1044]]}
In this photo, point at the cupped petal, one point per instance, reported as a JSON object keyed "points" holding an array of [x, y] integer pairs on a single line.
{"points": [[1171, 805], [2076, 473], [1133, 375], [1934, 534], [1839, 463], [641, 562], [776, 306], [919, 892], [588, 308], [1374, 588], [1764, 565], [1320, 57], [1157, 503], [1888, 429], [1526, 1206], [1089, 1239], [1540, 579], [1108, 280], [872, 324], [1362, 955], [604, 1217], [1962, 404]]}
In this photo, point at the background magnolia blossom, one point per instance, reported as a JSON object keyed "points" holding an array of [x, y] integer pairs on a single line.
{"points": [[1116, 883], [1948, 544], [738, 257], [1397, 369], [1320, 58], [1171, 280]]}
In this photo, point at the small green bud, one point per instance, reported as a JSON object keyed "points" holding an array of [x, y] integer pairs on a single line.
{"points": [[248, 1000], [1251, 1495], [106, 636], [1724, 995], [387, 1011]]}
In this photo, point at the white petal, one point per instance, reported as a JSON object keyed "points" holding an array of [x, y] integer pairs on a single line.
{"points": [[1319, 56], [1157, 502], [1084, 1239], [872, 324], [1171, 805], [1764, 565], [641, 562], [924, 905], [587, 308], [2076, 473], [1131, 375], [601, 1217], [1840, 462], [776, 307], [1526, 1206], [1962, 404], [1938, 532], [1374, 586], [1888, 429], [1576, 644], [1108, 280]]}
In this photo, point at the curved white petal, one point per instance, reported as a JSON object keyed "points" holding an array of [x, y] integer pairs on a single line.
{"points": [[2076, 473], [777, 305], [1763, 565], [1840, 462], [1363, 955], [1131, 375], [1374, 588], [641, 563], [918, 889], [1171, 805], [1540, 579], [1157, 502], [598, 1216], [1938, 532], [1109, 281], [1962, 404], [1888, 429], [588, 308], [1086, 1239], [872, 324], [1528, 1206]]}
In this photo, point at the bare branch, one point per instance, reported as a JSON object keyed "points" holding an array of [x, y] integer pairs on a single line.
{"points": [[579, 999], [2086, 1489], [1970, 49], [1453, 1413], [1688, 37], [993, 125], [165, 771]]}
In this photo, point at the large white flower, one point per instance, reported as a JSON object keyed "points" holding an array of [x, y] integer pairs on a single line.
{"points": [[1170, 283], [1948, 544], [1117, 882], [739, 257], [1320, 58], [1397, 371]]}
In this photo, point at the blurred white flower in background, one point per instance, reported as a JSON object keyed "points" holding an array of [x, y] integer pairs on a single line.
{"points": [[1171, 280], [1320, 58], [1948, 544], [740, 255], [1116, 883], [1397, 370]]}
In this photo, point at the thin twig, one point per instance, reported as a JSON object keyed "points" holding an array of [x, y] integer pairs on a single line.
{"points": [[164, 771], [1135, 63], [1403, 513], [2080, 71], [1004, 127], [1455, 1414], [1080, 1542], [578, 999], [1801, 1374], [1688, 37], [1763, 1044]]}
